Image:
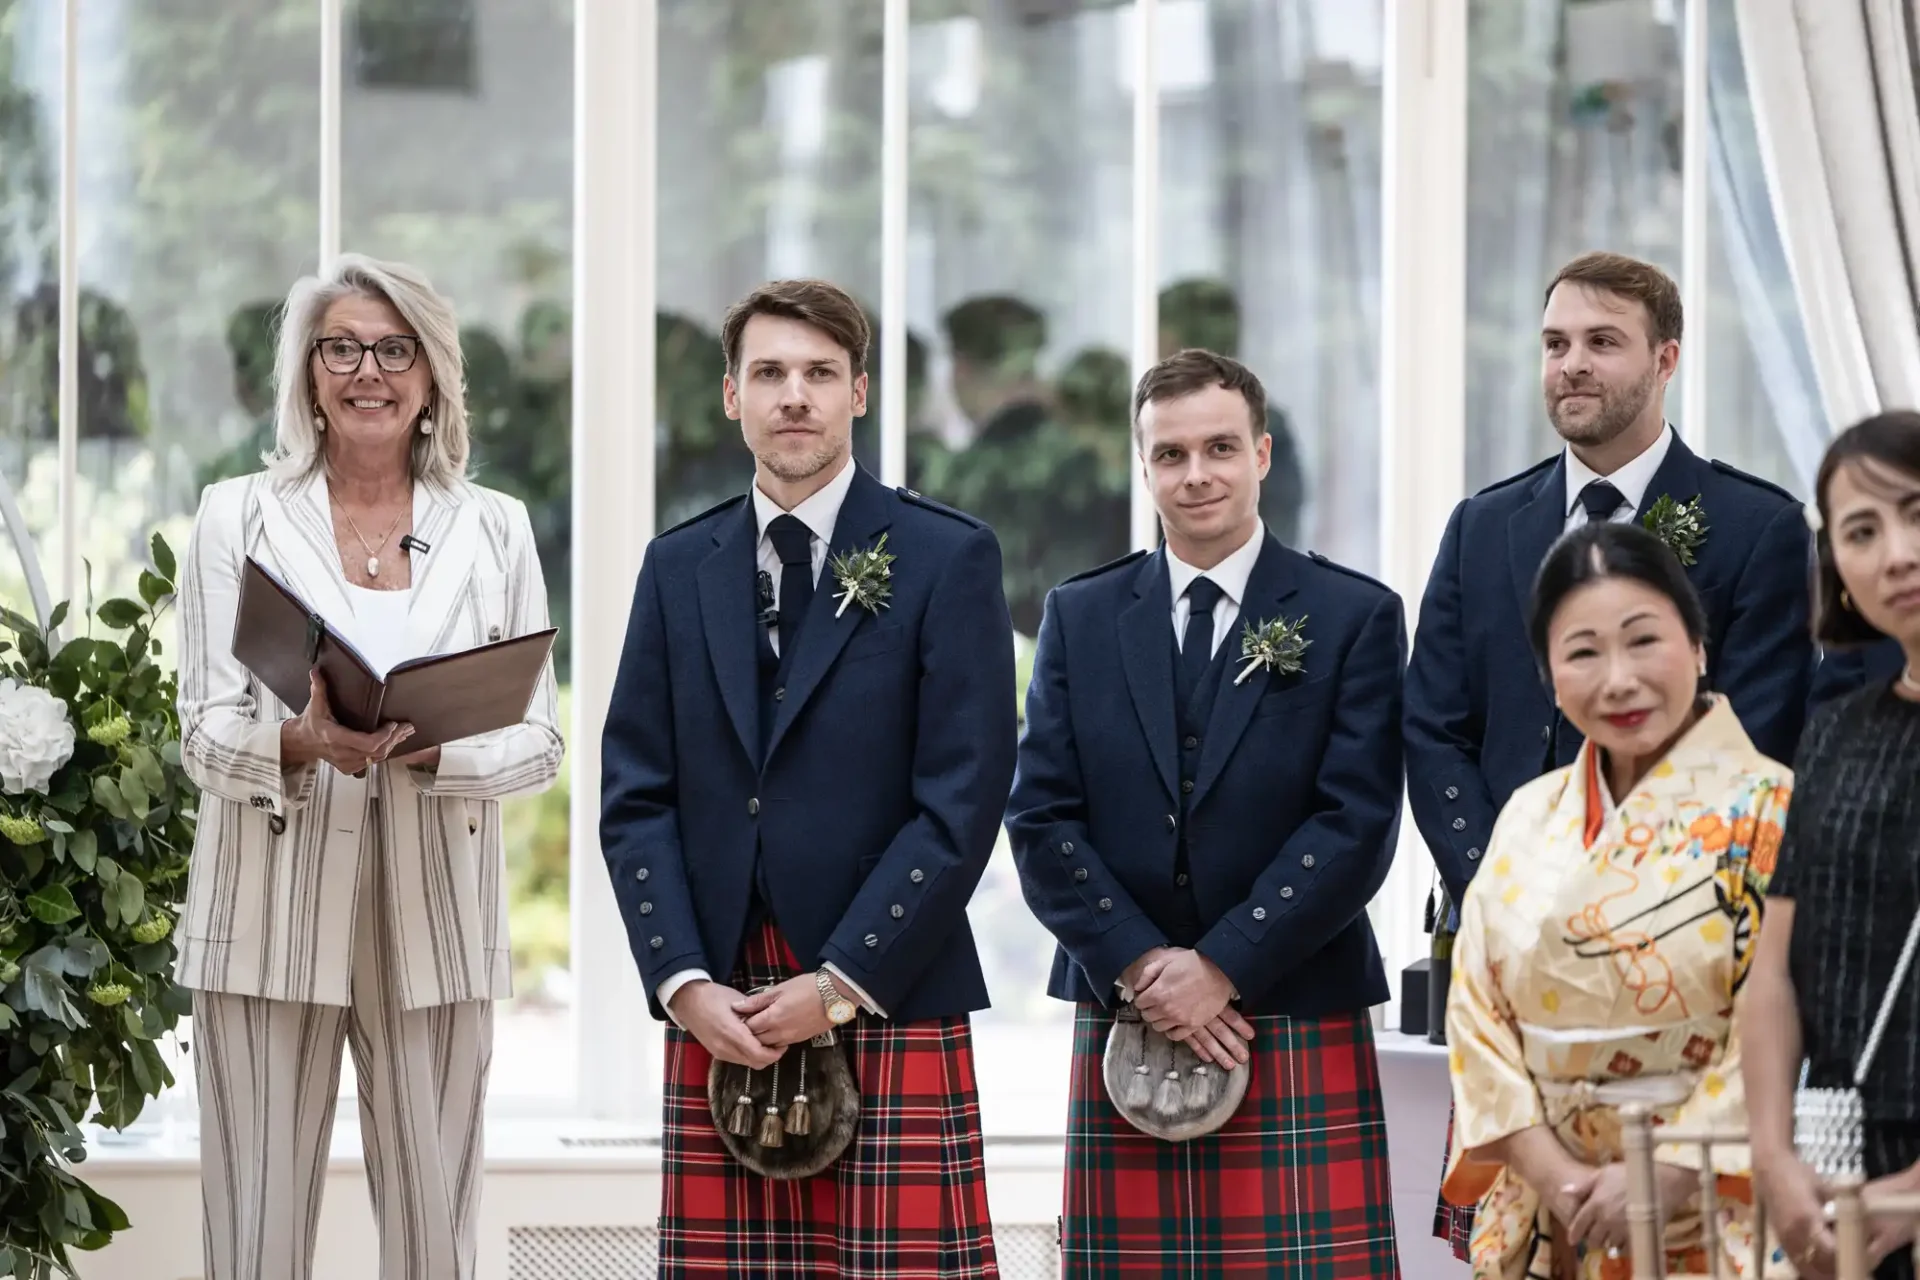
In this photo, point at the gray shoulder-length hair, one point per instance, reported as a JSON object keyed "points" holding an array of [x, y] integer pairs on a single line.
{"points": [[440, 457]]}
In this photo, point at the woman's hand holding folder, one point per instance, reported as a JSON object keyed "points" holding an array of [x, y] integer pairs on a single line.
{"points": [[315, 735]]}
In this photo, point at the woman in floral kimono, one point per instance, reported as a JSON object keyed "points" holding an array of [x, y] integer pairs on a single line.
{"points": [[1601, 946]]}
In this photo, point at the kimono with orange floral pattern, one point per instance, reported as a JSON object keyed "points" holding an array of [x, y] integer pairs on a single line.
{"points": [[1603, 942]]}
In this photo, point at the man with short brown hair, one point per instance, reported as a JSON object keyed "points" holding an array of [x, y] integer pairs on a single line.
{"points": [[1207, 797], [1480, 721], [807, 752]]}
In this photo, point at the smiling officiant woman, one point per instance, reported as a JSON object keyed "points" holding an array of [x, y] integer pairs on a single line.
{"points": [[342, 887], [808, 748]]}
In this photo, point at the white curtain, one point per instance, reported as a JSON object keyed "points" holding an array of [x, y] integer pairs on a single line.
{"points": [[1839, 125]]}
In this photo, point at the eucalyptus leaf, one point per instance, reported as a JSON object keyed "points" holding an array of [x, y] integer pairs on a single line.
{"points": [[147, 766], [82, 955], [84, 849], [57, 824], [135, 791], [106, 794], [131, 897]]}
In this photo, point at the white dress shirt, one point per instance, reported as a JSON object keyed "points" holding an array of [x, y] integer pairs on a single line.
{"points": [[1230, 575], [1631, 480], [819, 512]]}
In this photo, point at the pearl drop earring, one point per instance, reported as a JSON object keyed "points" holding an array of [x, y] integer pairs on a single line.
{"points": [[426, 425], [319, 420]]}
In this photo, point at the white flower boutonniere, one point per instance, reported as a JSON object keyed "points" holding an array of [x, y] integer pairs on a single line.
{"points": [[1275, 646], [1680, 525], [865, 577]]}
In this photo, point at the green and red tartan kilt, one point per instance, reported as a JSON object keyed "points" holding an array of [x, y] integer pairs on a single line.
{"points": [[907, 1199], [1296, 1184], [1451, 1222]]}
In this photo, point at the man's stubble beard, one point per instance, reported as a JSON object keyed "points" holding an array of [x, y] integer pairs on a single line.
{"points": [[792, 470], [1618, 412]]}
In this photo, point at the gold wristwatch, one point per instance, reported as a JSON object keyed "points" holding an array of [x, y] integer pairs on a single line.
{"points": [[840, 1010]]}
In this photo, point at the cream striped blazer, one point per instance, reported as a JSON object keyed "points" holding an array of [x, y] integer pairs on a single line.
{"points": [[271, 889]]}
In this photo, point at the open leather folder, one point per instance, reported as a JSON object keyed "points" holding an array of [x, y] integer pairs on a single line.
{"points": [[444, 696]]}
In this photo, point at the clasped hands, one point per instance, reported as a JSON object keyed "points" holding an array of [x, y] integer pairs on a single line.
{"points": [[1185, 997], [752, 1030], [1591, 1203]]}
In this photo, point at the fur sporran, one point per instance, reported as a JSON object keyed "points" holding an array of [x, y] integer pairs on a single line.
{"points": [[1162, 1088], [1830, 1125], [790, 1120]]}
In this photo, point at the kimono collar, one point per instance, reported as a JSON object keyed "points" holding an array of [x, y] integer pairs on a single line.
{"points": [[1715, 743]]}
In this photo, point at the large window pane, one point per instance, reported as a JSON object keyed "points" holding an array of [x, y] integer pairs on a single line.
{"points": [[1763, 405], [1573, 143], [769, 167], [1018, 291], [457, 156], [1270, 238]]}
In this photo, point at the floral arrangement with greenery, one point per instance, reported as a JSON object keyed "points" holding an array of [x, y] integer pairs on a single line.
{"points": [[96, 824]]}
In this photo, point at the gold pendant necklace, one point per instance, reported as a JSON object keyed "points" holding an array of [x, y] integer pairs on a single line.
{"points": [[373, 557]]}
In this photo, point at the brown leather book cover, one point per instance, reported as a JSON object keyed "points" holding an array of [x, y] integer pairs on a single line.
{"points": [[445, 696]]}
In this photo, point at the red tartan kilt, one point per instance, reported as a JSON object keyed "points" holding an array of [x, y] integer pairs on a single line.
{"points": [[1451, 1222], [907, 1199], [1296, 1184]]}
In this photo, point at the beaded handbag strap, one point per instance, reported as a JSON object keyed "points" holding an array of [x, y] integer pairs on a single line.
{"points": [[1886, 1005]]}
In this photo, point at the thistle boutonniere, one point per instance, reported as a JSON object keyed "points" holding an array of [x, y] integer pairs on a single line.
{"points": [[1275, 646], [1680, 525], [865, 577]]}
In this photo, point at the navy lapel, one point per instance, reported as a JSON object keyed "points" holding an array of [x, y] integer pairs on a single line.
{"points": [[1683, 477], [864, 516], [1146, 648], [1273, 580], [1533, 529], [726, 584]]}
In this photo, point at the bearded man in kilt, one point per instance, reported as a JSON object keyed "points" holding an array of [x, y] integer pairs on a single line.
{"points": [[807, 752], [1207, 796]]}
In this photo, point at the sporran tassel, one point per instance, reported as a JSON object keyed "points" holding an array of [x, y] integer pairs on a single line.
{"points": [[740, 1116], [799, 1119], [1197, 1088], [1167, 1101], [1140, 1088], [771, 1132]]}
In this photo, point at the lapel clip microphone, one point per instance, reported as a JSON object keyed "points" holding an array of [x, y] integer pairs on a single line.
{"points": [[410, 543], [769, 612]]}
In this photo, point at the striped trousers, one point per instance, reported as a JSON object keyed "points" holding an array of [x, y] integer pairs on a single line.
{"points": [[269, 1075]]}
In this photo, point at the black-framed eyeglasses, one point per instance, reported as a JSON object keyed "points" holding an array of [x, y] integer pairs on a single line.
{"points": [[394, 353]]}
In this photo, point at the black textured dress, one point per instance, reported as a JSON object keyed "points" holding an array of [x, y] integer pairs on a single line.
{"points": [[1850, 862]]}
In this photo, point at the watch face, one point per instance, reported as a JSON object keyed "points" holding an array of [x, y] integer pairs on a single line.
{"points": [[840, 1011]]}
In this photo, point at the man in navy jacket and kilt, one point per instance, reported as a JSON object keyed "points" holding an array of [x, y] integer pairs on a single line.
{"points": [[806, 757], [1206, 799]]}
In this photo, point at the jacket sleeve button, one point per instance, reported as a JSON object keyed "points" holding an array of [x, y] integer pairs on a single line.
{"points": [[1080, 875], [1286, 891], [641, 875], [1307, 862], [1066, 848], [1473, 855], [1106, 904], [871, 940], [896, 911], [656, 942], [1459, 824], [917, 875], [1259, 913], [1453, 793], [646, 908]]}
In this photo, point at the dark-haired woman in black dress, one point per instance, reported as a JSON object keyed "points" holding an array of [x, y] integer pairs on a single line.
{"points": [[1847, 887]]}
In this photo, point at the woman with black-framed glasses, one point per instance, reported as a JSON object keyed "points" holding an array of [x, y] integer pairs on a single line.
{"points": [[342, 887]]}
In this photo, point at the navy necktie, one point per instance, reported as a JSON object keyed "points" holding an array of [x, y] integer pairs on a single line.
{"points": [[1601, 500], [1196, 645], [793, 542]]}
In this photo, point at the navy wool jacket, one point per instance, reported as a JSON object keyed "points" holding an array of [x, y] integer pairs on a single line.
{"points": [[872, 813], [1295, 805], [1480, 718]]}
